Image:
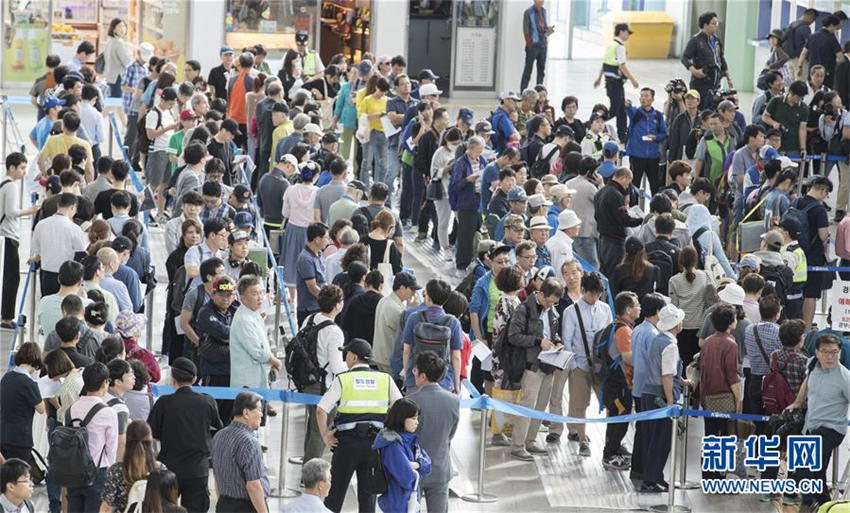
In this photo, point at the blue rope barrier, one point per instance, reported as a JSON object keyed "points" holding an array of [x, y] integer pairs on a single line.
{"points": [[19, 323], [828, 269], [25, 100], [473, 392], [118, 139]]}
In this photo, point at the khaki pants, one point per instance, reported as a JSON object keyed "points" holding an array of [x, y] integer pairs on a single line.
{"points": [[536, 387], [793, 63], [556, 401], [843, 186], [580, 387]]}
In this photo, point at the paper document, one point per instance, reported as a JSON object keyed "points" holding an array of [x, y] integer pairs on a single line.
{"points": [[559, 358], [48, 387], [389, 129], [481, 351]]}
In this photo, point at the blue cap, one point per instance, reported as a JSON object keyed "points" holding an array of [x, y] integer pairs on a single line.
{"points": [[565, 131], [610, 148], [243, 219], [517, 193], [466, 115], [225, 50], [364, 68], [52, 102], [768, 153]]}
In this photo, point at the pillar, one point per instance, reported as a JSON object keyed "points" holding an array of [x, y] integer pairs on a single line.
{"points": [[740, 29]]}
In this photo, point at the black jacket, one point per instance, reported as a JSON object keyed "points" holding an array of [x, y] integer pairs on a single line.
{"points": [[678, 135], [525, 329], [841, 82], [699, 54], [622, 280], [612, 212]]}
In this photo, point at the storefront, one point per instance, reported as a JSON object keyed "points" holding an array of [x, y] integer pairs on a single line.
{"points": [[26, 32], [345, 28], [272, 23]]}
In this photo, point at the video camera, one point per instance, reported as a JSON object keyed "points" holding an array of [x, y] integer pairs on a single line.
{"points": [[715, 96], [676, 86]]}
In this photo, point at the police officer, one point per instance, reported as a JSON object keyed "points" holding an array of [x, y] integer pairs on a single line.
{"points": [[362, 397], [311, 63], [615, 72]]}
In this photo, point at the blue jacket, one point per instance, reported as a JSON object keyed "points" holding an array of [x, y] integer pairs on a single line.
{"points": [[480, 302], [488, 176], [651, 123], [504, 128], [398, 450], [552, 217], [462, 195]]}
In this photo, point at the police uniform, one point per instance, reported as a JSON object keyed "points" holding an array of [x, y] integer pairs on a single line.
{"points": [[362, 397], [311, 64], [614, 56], [793, 254]]}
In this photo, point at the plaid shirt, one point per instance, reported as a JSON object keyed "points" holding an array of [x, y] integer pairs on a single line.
{"points": [[769, 336], [130, 78], [794, 370], [223, 211]]}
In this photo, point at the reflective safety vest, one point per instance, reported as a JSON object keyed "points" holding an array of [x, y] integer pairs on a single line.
{"points": [[717, 152], [365, 396], [800, 270], [309, 65], [610, 65]]}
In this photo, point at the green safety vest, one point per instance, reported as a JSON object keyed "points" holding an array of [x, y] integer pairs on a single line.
{"points": [[610, 66], [308, 63], [800, 270], [364, 392], [718, 155]]}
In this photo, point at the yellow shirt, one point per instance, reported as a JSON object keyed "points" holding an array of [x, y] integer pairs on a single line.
{"points": [[372, 105], [60, 143], [282, 130]]}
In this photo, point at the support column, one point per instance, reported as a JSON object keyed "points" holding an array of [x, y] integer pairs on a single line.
{"points": [[740, 29]]}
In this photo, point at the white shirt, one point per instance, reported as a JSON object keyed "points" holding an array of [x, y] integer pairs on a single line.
{"points": [[670, 356], [56, 239], [328, 344], [547, 328], [9, 211], [172, 233], [307, 504], [161, 142], [333, 264], [92, 121], [560, 248]]}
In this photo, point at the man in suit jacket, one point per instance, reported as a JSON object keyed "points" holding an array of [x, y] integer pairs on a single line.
{"points": [[438, 418]]}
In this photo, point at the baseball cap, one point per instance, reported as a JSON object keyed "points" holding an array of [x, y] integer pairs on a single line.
{"points": [[405, 279], [185, 367], [238, 235], [52, 102], [312, 128], [146, 51], [364, 68], [633, 245], [772, 239], [792, 226], [427, 74], [549, 180], [510, 95], [121, 243], [619, 27], [750, 262], [594, 117], [692, 93], [187, 114], [564, 131], [538, 222], [484, 127], [732, 294], [383, 59], [330, 138], [538, 200], [225, 50], [768, 153], [559, 191], [225, 283], [243, 219], [785, 162], [289, 159], [517, 193], [243, 195], [301, 121], [429, 90], [359, 347], [610, 148], [231, 126], [568, 219], [544, 272], [515, 222], [466, 115], [302, 36], [484, 246], [499, 248]]}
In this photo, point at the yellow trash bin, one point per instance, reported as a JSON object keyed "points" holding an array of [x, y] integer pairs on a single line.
{"points": [[653, 32]]}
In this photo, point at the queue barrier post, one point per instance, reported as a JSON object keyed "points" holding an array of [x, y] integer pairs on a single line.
{"points": [[280, 296], [282, 491], [480, 496], [149, 321], [671, 506], [31, 319], [836, 484], [683, 483]]}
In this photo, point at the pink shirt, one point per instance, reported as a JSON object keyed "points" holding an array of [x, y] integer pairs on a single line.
{"points": [[298, 204], [102, 430], [842, 239]]}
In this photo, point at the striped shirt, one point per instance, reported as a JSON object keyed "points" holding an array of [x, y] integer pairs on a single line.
{"points": [[131, 77], [237, 459], [769, 336]]}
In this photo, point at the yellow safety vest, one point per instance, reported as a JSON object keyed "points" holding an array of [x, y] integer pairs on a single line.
{"points": [[364, 392], [800, 270], [610, 65], [308, 63]]}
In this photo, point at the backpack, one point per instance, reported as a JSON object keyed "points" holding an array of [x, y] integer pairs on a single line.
{"points": [[144, 143], [788, 43], [601, 363], [179, 287], [302, 361], [69, 456], [429, 336], [776, 394], [100, 64], [666, 268], [361, 221], [802, 216], [376, 477], [540, 168], [136, 496], [780, 277], [511, 359], [707, 261]]}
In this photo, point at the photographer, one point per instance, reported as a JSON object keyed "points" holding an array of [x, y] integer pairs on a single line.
{"points": [[703, 57], [682, 125], [826, 392], [675, 102]]}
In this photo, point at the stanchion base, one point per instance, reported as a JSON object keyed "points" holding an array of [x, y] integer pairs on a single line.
{"points": [[687, 485], [286, 494], [296, 460], [664, 508], [479, 497]]}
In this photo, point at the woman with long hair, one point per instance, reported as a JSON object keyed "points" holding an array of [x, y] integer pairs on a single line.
{"points": [[190, 235], [139, 461], [252, 98], [161, 493], [140, 256], [442, 164], [290, 71], [21, 398], [635, 273], [98, 231], [688, 291], [374, 107]]}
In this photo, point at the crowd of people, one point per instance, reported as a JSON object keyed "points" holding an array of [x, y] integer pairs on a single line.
{"points": [[571, 275]]}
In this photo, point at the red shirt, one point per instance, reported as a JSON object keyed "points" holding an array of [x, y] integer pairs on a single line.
{"points": [[718, 364]]}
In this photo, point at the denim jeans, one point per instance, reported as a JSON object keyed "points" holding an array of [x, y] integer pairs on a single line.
{"points": [[375, 150], [87, 499], [585, 247], [406, 202], [392, 169], [54, 491], [418, 196]]}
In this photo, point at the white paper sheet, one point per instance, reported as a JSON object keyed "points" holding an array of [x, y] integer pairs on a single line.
{"points": [[559, 358], [389, 129]]}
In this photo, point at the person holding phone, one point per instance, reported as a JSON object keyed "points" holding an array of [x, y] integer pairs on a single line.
{"points": [[463, 198]]}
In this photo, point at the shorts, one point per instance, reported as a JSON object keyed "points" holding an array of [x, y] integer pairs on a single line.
{"points": [[157, 168], [814, 285]]}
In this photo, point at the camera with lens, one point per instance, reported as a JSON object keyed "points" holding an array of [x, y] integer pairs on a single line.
{"points": [[787, 422], [676, 86], [828, 110], [718, 95]]}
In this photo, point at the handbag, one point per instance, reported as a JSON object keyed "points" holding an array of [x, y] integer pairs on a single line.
{"points": [[750, 232], [364, 130], [723, 402], [326, 108], [386, 269], [434, 192]]}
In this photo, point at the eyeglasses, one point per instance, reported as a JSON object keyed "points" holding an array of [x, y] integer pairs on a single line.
{"points": [[26, 480], [830, 353]]}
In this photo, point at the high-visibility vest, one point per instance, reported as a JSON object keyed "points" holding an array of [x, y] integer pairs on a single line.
{"points": [[308, 63], [610, 65], [800, 270], [365, 396]]}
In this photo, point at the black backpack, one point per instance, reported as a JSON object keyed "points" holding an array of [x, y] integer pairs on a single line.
{"points": [[429, 336], [3, 184], [666, 268], [802, 216], [788, 43], [69, 456], [780, 277], [540, 168], [144, 143], [302, 362], [361, 221]]}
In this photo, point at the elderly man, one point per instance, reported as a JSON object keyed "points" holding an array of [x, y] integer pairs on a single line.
{"points": [[465, 174], [250, 356], [560, 245], [316, 476]]}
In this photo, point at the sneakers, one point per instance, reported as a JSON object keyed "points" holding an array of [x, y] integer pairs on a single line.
{"points": [[553, 438], [500, 440], [651, 488], [584, 449], [615, 462], [448, 255], [768, 497], [521, 454], [573, 437], [535, 448], [7, 325]]}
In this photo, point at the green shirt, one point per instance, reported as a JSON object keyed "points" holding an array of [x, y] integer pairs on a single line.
{"points": [[495, 293], [789, 116], [175, 147]]}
